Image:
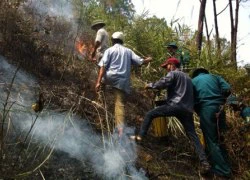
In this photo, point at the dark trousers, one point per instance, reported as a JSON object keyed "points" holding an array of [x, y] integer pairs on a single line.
{"points": [[184, 116], [212, 128]]}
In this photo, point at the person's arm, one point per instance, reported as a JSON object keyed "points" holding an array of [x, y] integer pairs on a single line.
{"points": [[137, 60], [225, 87], [97, 44], [196, 98], [147, 60], [162, 83], [99, 79]]}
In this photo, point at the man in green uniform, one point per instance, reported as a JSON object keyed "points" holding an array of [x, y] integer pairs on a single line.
{"points": [[238, 106], [182, 56], [244, 113], [210, 93]]}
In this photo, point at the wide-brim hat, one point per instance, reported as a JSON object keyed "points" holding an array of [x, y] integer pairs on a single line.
{"points": [[97, 22], [197, 71], [172, 44]]}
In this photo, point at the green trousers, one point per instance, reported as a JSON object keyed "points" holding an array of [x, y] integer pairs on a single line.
{"points": [[213, 128]]}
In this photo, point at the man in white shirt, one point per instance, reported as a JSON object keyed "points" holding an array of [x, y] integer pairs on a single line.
{"points": [[101, 40]]}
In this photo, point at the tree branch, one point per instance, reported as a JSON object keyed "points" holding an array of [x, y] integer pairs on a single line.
{"points": [[223, 10]]}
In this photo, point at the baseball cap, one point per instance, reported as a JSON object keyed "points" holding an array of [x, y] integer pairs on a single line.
{"points": [[171, 60], [118, 35]]}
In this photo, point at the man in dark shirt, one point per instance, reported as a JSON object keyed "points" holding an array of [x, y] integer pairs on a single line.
{"points": [[179, 103]]}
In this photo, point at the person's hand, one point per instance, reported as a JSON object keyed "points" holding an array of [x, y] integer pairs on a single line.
{"points": [[97, 86], [149, 94], [149, 59], [147, 86], [93, 59]]}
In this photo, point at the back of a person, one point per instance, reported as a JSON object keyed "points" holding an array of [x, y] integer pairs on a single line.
{"points": [[119, 67], [181, 91], [103, 37], [207, 89], [120, 63]]}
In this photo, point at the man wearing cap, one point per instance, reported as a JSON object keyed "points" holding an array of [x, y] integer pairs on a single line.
{"points": [[101, 40], [115, 67], [210, 92], [179, 103]]}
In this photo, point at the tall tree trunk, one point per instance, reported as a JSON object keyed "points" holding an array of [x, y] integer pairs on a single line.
{"points": [[200, 25], [208, 38], [216, 30], [234, 30]]}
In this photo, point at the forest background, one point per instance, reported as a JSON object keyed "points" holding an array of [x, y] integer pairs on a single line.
{"points": [[52, 42]]}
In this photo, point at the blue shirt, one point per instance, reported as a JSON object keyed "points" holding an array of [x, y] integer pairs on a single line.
{"points": [[117, 61], [179, 87]]}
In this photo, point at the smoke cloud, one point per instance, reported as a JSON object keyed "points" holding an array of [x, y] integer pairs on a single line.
{"points": [[62, 8], [66, 131]]}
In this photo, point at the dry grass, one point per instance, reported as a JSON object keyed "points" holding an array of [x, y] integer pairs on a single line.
{"points": [[67, 83]]}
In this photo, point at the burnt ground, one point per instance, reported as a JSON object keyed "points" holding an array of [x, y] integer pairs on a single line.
{"points": [[160, 158], [169, 157], [71, 87], [64, 80]]}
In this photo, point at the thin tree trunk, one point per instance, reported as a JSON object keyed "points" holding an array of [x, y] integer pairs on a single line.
{"points": [[234, 29], [216, 30], [207, 33], [200, 25], [208, 39], [236, 32]]}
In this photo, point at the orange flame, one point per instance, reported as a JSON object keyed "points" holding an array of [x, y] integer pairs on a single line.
{"points": [[84, 49], [81, 47]]}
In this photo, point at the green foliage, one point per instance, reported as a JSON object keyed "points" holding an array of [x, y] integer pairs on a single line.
{"points": [[147, 37], [221, 65]]}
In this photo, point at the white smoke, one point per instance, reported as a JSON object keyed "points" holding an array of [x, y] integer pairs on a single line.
{"points": [[65, 131], [62, 8], [56, 22]]}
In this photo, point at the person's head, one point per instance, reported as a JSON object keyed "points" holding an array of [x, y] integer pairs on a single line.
{"points": [[97, 24], [235, 103], [117, 37], [171, 64], [172, 47], [199, 71]]}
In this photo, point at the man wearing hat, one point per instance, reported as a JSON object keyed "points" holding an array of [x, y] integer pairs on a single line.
{"points": [[115, 68], [179, 103], [174, 51], [101, 40], [210, 93]]}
